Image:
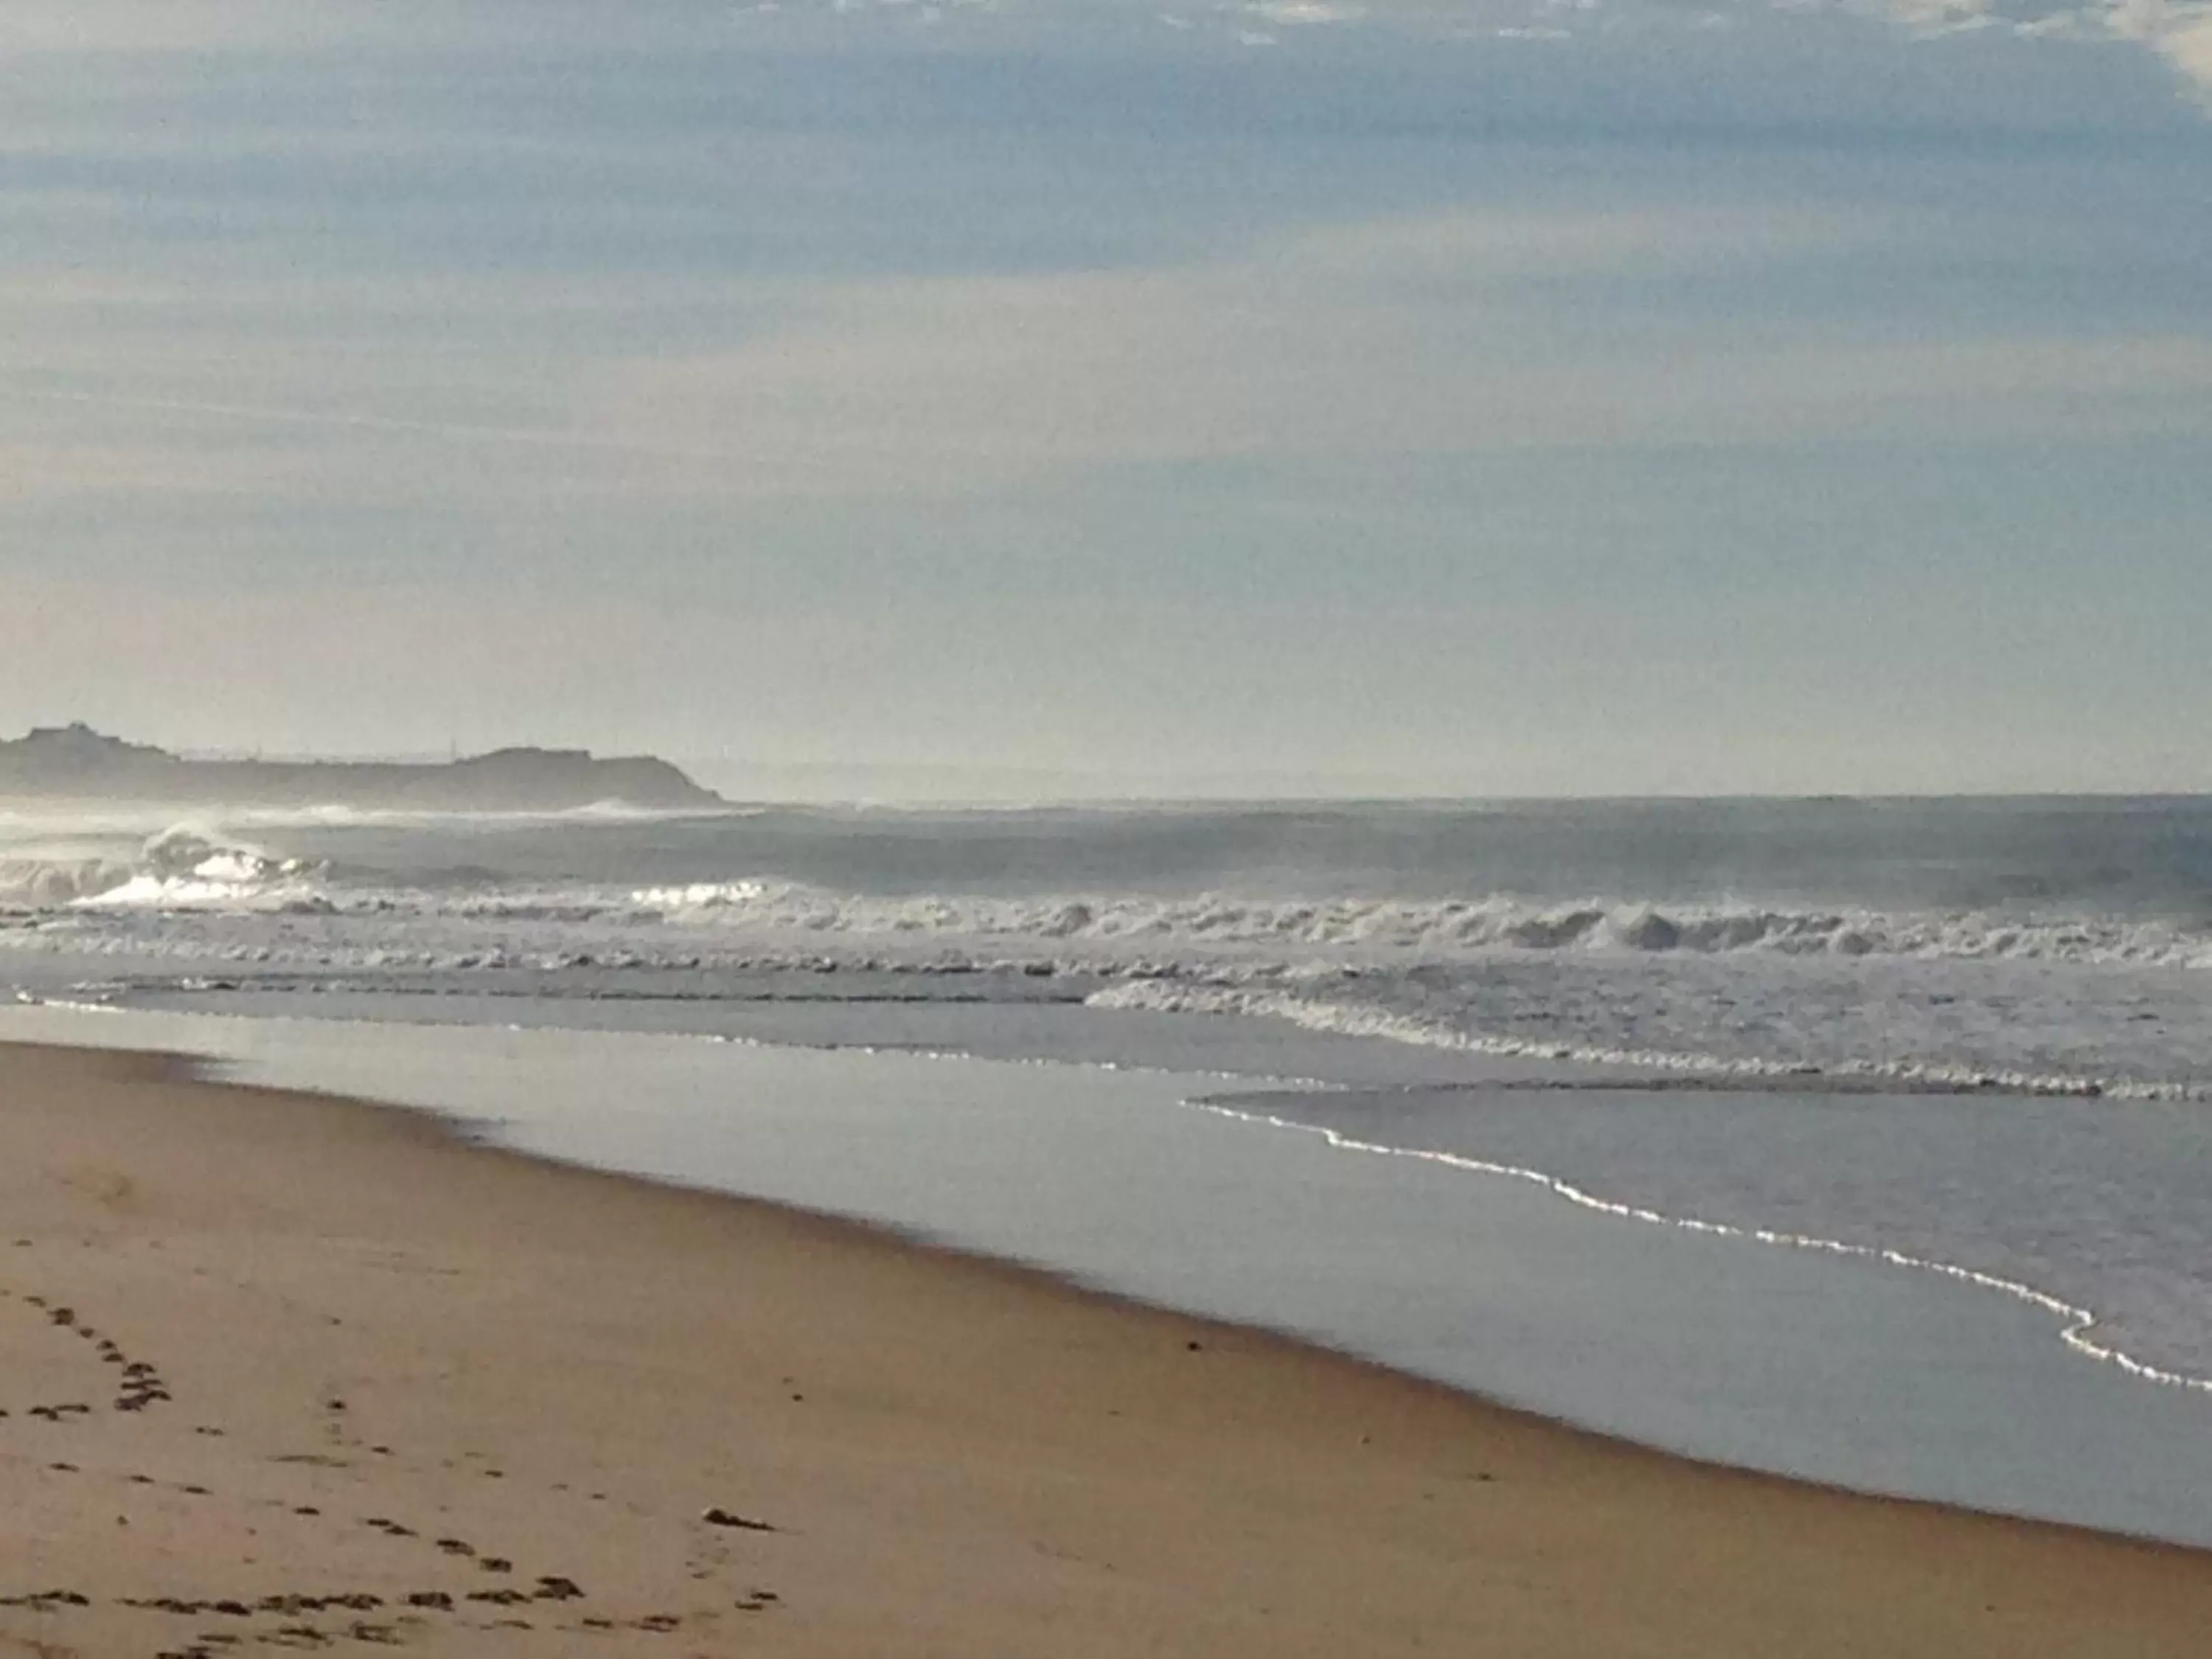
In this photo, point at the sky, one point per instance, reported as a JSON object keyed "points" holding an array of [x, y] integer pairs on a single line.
{"points": [[1045, 398]]}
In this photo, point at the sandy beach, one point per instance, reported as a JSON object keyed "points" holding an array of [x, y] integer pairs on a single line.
{"points": [[281, 1372]]}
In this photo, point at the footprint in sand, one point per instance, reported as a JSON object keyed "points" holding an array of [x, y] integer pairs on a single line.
{"points": [[139, 1385]]}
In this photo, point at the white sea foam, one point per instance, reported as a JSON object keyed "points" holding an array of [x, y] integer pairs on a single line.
{"points": [[1350, 1019], [2078, 1326], [53, 881], [1495, 922], [181, 867], [194, 865], [2049, 1004], [2076, 967]]}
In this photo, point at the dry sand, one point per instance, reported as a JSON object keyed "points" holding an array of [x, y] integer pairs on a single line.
{"points": [[286, 1372]]}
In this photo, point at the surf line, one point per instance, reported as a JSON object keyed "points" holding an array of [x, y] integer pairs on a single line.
{"points": [[1348, 1019], [2077, 1323]]}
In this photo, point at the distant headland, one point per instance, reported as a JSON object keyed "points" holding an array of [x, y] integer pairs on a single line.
{"points": [[74, 762]]}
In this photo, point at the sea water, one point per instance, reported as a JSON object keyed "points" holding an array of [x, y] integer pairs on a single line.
{"points": [[1958, 1040]]}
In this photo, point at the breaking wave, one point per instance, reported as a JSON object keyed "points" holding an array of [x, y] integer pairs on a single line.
{"points": [[1491, 923], [1344, 1019], [2056, 948], [180, 868], [186, 869]]}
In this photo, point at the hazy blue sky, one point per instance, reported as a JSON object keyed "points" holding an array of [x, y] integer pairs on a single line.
{"points": [[1067, 395]]}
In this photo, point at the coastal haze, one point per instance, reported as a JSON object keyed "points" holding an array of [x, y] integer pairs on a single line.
{"points": [[1498, 704], [1057, 399]]}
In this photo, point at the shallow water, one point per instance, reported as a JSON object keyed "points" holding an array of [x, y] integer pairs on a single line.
{"points": [[1839, 1370]]}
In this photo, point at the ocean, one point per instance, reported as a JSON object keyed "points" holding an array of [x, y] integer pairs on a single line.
{"points": [[2054, 945], [1960, 1044]]}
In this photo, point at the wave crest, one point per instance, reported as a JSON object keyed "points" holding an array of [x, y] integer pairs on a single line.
{"points": [[1338, 1019], [182, 867], [1497, 922]]}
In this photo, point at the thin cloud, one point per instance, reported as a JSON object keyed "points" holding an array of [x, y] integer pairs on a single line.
{"points": [[2179, 31], [56, 469], [1442, 335], [149, 27], [339, 419], [1338, 345], [1296, 14], [2184, 38]]}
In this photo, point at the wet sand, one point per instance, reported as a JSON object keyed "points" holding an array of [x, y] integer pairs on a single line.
{"points": [[283, 1372]]}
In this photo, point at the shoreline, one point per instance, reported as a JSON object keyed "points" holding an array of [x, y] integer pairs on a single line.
{"points": [[354, 1311], [2075, 1324]]}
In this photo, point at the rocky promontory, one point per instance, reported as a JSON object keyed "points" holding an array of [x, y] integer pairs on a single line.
{"points": [[74, 762]]}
